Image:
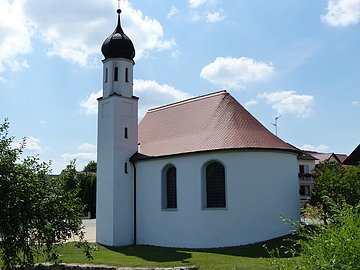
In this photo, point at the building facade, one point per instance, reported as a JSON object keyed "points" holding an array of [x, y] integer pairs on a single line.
{"points": [[198, 173]]}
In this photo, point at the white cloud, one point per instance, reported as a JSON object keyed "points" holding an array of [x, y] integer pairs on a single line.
{"points": [[251, 103], [151, 93], [235, 72], [15, 36], [86, 147], [173, 11], [76, 33], [82, 159], [197, 3], [79, 156], [209, 17], [32, 144], [342, 12], [146, 33], [356, 103], [285, 102], [215, 17], [320, 148], [90, 104]]}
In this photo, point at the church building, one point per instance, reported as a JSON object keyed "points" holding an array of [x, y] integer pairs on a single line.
{"points": [[198, 173]]}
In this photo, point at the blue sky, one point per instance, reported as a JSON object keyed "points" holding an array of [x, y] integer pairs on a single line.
{"points": [[297, 58]]}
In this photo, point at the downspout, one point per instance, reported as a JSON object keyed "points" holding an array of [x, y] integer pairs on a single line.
{"points": [[134, 213]]}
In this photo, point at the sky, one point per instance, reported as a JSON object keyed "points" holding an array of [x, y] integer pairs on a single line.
{"points": [[297, 59]]}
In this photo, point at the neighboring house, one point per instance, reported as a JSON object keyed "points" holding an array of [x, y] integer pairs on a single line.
{"points": [[354, 157], [198, 173], [307, 162], [306, 165], [321, 157]]}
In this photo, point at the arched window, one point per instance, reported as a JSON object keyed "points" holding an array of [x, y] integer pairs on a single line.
{"points": [[106, 75], [169, 200], [116, 74], [126, 75], [215, 185]]}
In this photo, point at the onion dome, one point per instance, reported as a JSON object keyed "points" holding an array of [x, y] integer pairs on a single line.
{"points": [[118, 45]]}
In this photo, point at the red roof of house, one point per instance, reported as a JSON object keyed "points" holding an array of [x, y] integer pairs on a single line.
{"points": [[341, 157], [211, 122], [321, 157]]}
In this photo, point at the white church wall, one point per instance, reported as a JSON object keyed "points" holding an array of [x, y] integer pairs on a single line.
{"points": [[114, 209], [122, 85], [260, 187]]}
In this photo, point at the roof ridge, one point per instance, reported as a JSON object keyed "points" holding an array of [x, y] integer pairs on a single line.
{"points": [[185, 101]]}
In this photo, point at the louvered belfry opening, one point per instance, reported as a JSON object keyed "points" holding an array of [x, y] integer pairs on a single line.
{"points": [[171, 200], [215, 185]]}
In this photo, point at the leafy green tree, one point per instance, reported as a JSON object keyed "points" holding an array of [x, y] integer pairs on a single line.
{"points": [[37, 213], [69, 174], [335, 185], [88, 186], [88, 191], [90, 167], [85, 184]]}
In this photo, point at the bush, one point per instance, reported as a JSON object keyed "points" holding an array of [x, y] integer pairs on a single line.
{"points": [[332, 246]]}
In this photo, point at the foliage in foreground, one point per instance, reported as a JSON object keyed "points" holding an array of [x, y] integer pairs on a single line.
{"points": [[332, 246], [37, 213]]}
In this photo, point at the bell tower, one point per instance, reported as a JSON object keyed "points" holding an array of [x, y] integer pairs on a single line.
{"points": [[117, 141]]}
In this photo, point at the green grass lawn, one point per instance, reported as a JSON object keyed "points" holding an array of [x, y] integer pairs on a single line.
{"points": [[242, 257], [252, 256]]}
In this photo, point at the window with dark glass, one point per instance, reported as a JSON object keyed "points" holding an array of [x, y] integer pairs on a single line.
{"points": [[106, 75], [116, 73], [171, 200], [304, 169], [126, 133], [215, 185], [125, 167], [126, 75]]}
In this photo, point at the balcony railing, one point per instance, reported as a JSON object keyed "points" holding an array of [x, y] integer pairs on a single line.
{"points": [[306, 177]]}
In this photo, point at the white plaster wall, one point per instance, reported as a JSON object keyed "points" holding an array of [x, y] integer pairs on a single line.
{"points": [[114, 205], [311, 163], [260, 187], [120, 86]]}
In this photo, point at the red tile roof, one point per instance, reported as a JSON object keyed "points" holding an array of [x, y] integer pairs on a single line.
{"points": [[321, 157], [211, 122], [341, 157]]}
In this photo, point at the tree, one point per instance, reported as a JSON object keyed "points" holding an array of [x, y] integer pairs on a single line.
{"points": [[37, 213], [90, 167], [335, 185], [88, 187], [85, 184]]}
